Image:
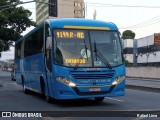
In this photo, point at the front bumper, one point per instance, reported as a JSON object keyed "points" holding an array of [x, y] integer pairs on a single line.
{"points": [[83, 92]]}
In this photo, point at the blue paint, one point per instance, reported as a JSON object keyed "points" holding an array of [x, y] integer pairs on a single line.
{"points": [[32, 69]]}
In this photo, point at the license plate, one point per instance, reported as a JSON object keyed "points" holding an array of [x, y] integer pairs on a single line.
{"points": [[94, 89]]}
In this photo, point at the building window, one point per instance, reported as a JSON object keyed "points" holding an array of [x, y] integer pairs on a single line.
{"points": [[77, 4]]}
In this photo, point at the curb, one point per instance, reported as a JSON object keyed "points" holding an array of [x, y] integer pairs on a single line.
{"points": [[143, 88], [137, 78]]}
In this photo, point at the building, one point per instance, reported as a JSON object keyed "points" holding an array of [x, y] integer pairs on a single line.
{"points": [[59, 9], [144, 51], [128, 49]]}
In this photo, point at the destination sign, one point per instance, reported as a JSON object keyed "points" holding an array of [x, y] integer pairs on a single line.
{"points": [[70, 34]]}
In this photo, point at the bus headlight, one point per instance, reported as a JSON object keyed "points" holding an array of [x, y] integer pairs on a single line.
{"points": [[118, 80], [66, 81]]}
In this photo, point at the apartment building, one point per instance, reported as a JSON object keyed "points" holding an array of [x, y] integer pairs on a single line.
{"points": [[59, 9]]}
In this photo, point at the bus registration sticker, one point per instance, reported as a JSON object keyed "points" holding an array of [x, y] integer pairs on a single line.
{"points": [[94, 89]]}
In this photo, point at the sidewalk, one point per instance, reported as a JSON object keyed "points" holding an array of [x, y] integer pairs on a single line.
{"points": [[143, 84]]}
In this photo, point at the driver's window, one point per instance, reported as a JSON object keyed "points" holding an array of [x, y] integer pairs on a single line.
{"points": [[46, 30], [48, 51]]}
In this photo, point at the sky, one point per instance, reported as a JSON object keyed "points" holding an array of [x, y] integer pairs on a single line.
{"points": [[143, 21], [121, 16]]}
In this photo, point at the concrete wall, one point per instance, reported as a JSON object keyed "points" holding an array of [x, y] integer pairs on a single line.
{"points": [[144, 72], [149, 40], [128, 43]]}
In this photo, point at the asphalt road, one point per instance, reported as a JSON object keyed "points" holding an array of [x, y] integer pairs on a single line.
{"points": [[12, 98]]}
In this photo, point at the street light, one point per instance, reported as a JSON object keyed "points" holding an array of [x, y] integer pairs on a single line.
{"points": [[23, 3]]}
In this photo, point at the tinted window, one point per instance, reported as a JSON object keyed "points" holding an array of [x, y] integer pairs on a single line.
{"points": [[106, 47], [18, 51], [34, 43]]}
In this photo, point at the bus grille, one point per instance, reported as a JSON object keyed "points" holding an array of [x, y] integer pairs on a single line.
{"points": [[105, 74]]}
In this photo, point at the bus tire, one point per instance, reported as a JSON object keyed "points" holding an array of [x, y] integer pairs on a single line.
{"points": [[43, 89], [99, 99], [26, 91]]}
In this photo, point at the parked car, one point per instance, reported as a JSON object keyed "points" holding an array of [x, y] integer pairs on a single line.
{"points": [[10, 69], [13, 75]]}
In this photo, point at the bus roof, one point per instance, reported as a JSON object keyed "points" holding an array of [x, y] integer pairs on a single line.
{"points": [[75, 23], [81, 23]]}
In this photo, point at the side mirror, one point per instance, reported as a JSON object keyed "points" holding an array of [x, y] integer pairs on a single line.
{"points": [[49, 43]]}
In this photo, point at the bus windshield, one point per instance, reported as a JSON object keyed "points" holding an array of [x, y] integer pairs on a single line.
{"points": [[87, 48]]}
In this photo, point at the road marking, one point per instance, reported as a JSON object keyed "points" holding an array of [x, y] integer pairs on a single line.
{"points": [[5, 84], [2, 83], [10, 83], [115, 99]]}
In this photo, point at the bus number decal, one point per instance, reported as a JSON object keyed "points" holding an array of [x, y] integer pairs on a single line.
{"points": [[74, 61]]}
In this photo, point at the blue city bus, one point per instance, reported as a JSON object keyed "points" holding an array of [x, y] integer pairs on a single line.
{"points": [[71, 58]]}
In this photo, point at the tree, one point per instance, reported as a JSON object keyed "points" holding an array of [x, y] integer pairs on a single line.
{"points": [[13, 21], [128, 34]]}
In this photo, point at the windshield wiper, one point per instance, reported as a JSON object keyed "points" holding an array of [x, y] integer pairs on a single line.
{"points": [[100, 55], [84, 52], [85, 49]]}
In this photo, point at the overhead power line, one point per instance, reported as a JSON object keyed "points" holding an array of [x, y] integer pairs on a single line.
{"points": [[113, 5], [139, 25], [143, 24], [116, 5]]}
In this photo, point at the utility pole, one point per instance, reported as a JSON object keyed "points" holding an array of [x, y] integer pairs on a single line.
{"points": [[85, 10], [94, 14]]}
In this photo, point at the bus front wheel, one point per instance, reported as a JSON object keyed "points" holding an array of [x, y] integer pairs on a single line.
{"points": [[48, 98], [99, 99]]}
